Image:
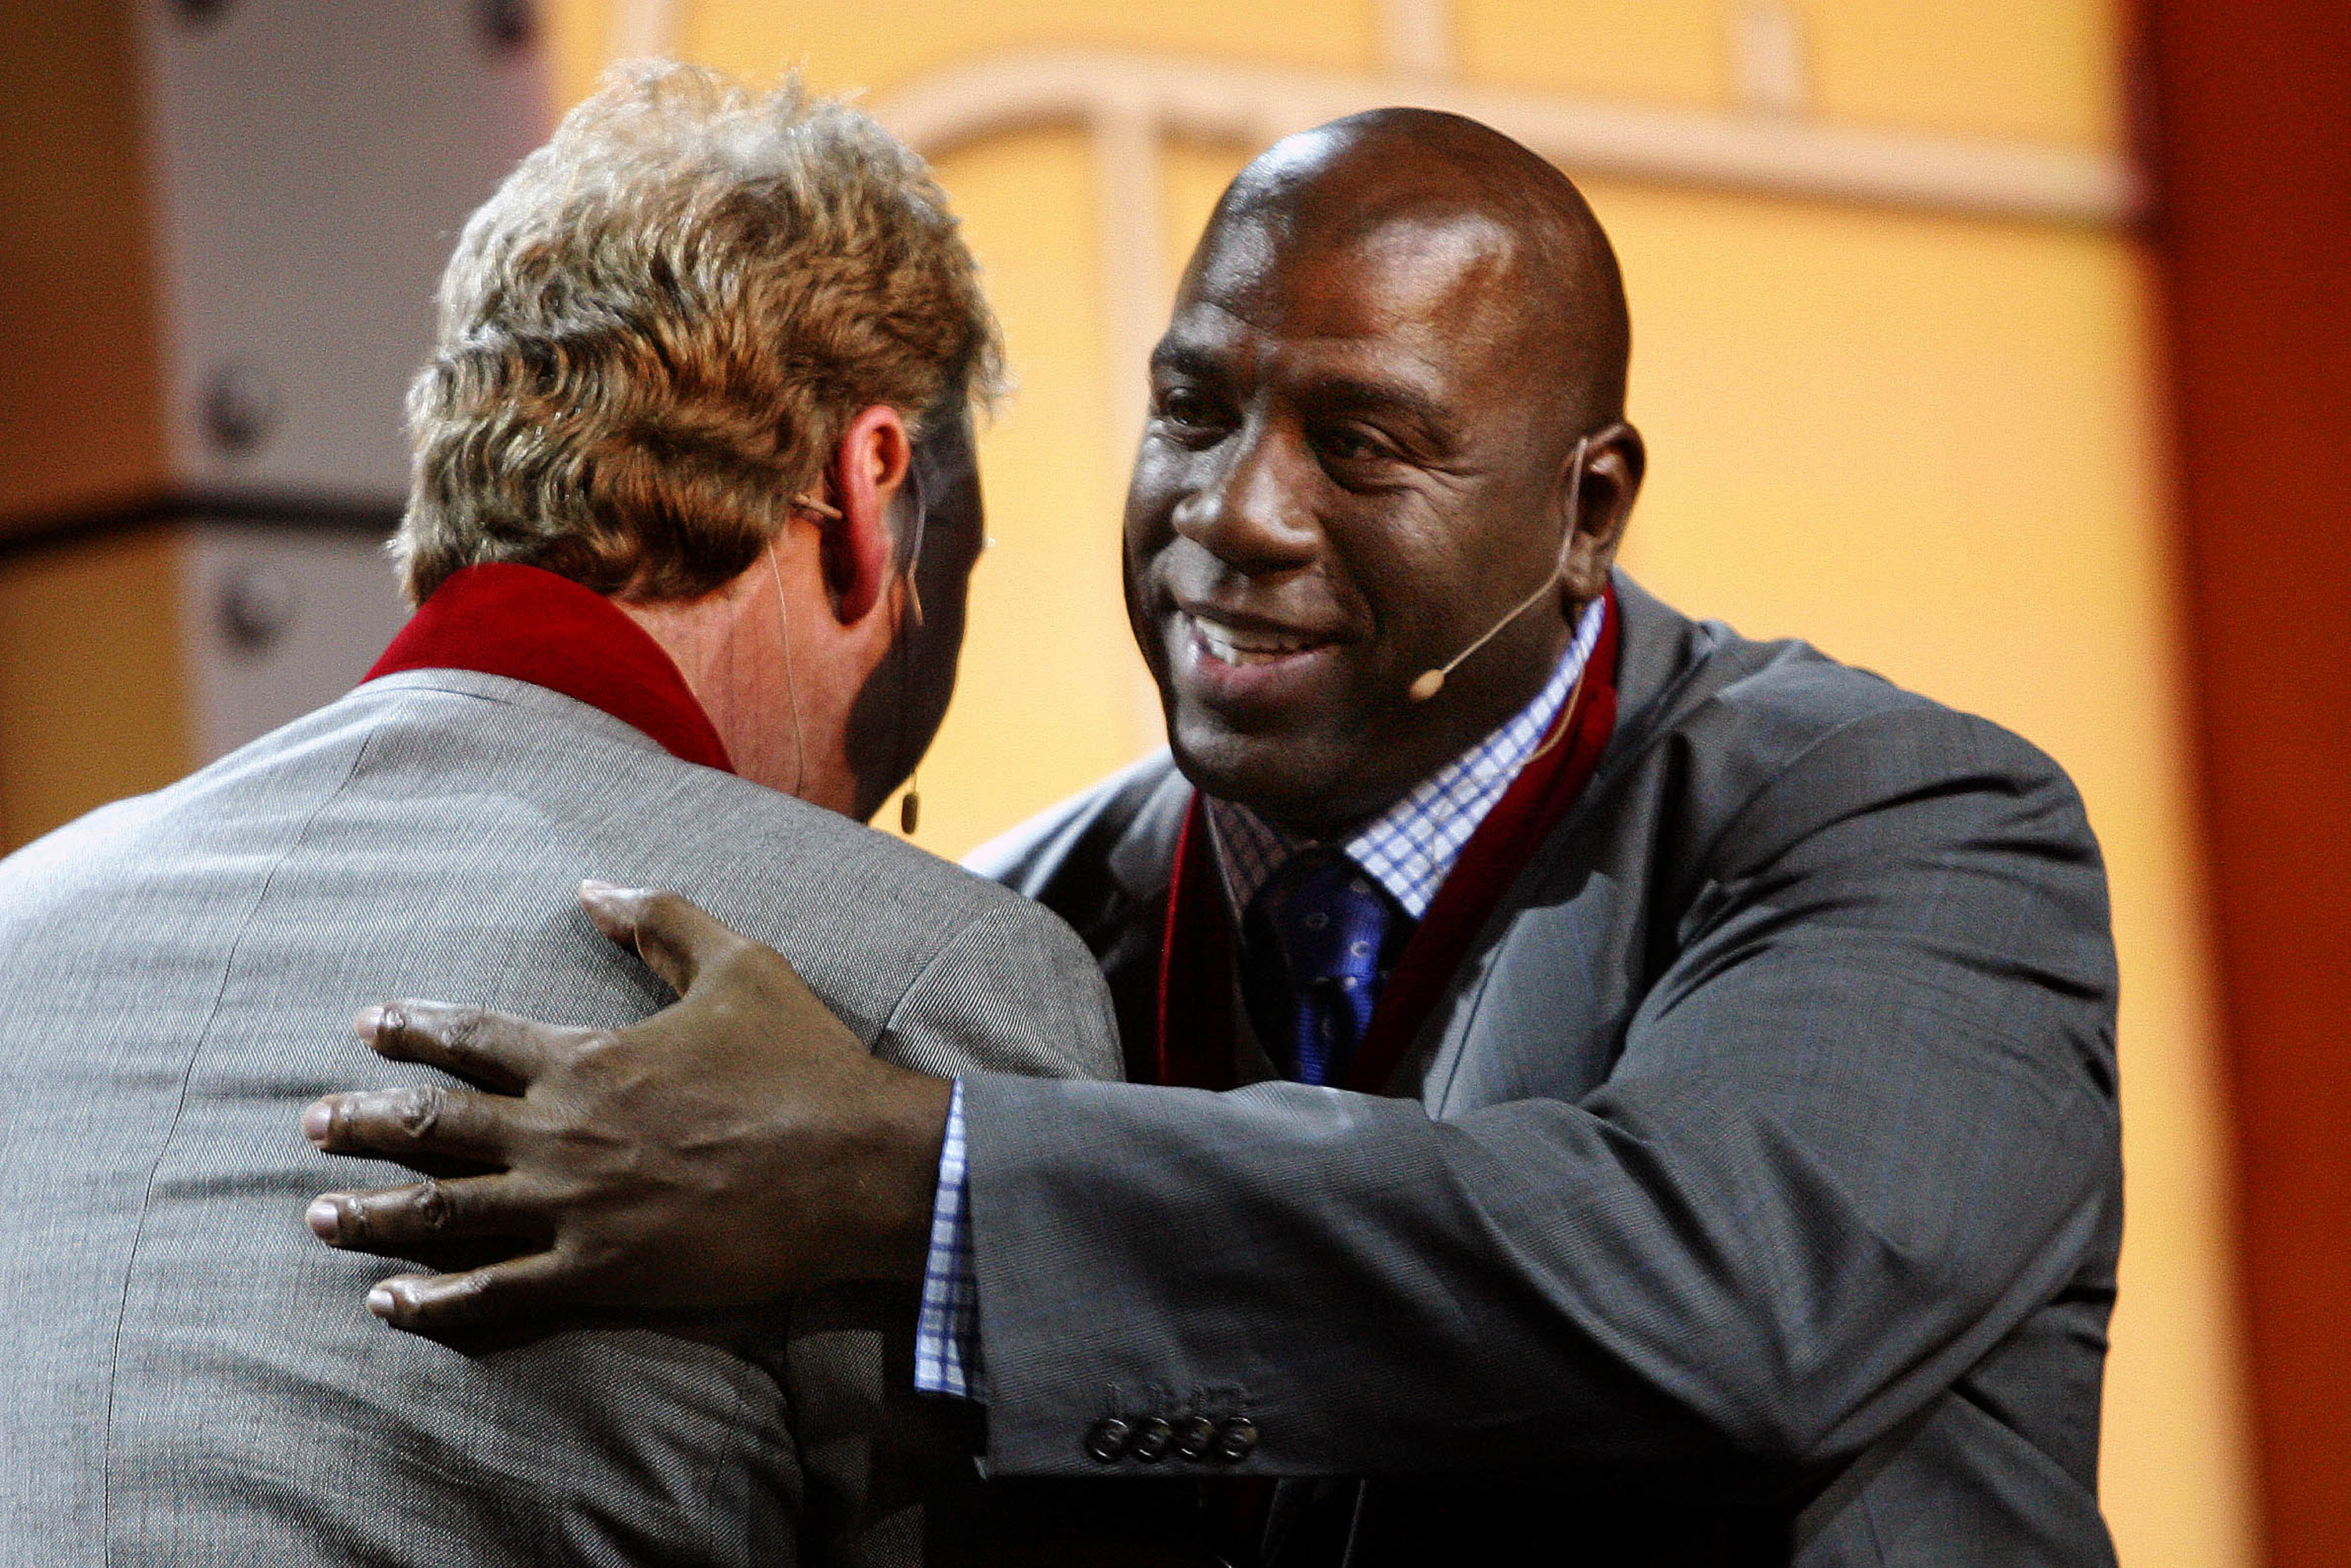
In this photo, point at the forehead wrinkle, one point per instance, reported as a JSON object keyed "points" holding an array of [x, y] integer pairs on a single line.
{"points": [[1402, 312], [1422, 259]]}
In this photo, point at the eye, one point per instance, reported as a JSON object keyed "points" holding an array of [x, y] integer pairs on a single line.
{"points": [[1189, 413], [1352, 443]]}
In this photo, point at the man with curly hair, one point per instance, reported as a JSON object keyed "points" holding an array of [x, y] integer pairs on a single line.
{"points": [[692, 515]]}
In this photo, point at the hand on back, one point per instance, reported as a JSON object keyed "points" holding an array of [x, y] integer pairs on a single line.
{"points": [[740, 1144]]}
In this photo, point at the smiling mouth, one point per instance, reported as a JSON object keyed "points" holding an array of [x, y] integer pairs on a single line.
{"points": [[1244, 646]]}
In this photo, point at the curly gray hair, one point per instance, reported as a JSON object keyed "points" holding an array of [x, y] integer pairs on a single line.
{"points": [[652, 334]]}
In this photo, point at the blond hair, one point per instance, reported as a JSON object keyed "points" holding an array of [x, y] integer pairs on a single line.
{"points": [[652, 334]]}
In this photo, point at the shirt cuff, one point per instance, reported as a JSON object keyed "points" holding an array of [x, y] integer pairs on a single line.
{"points": [[947, 1328]]}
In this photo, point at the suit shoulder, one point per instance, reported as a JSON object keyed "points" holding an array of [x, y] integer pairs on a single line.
{"points": [[836, 896], [1093, 827], [780, 835], [1781, 742], [1784, 706], [889, 935]]}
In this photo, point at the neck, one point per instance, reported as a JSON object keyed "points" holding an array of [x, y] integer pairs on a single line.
{"points": [[754, 653]]}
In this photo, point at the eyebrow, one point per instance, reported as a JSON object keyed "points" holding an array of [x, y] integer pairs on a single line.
{"points": [[1187, 360], [1328, 392], [1345, 393]]}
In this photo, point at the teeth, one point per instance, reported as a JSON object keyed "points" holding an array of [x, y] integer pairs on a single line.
{"points": [[1237, 647]]}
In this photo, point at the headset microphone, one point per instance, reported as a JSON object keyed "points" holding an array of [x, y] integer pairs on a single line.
{"points": [[1432, 682]]}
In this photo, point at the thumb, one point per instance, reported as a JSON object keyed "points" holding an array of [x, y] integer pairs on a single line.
{"points": [[676, 939]]}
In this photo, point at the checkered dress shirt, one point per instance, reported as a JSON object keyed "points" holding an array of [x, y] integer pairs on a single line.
{"points": [[947, 1326], [1408, 849]]}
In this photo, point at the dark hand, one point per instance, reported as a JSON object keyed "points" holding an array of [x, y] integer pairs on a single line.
{"points": [[739, 1144]]}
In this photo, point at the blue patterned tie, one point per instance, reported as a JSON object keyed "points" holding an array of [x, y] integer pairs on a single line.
{"points": [[1331, 923]]}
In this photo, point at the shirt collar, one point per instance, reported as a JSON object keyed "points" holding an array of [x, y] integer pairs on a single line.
{"points": [[503, 619], [1409, 848]]}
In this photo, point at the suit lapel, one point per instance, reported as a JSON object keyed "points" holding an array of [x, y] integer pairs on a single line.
{"points": [[1659, 652]]}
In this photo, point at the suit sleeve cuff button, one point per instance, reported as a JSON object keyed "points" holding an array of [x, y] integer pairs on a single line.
{"points": [[1149, 1444], [1236, 1439], [1195, 1438], [1107, 1440]]}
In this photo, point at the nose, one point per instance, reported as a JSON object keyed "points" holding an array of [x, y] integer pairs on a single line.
{"points": [[1256, 512]]}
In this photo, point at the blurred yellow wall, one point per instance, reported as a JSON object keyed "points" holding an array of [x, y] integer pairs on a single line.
{"points": [[1926, 444], [71, 743]]}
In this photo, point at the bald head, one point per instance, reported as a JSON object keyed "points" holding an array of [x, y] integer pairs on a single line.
{"points": [[1422, 177]]}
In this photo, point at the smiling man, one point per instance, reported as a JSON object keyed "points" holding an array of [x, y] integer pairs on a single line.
{"points": [[1379, 422], [1610, 1090]]}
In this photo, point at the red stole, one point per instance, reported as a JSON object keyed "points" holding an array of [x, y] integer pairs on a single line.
{"points": [[1197, 1032], [502, 619]]}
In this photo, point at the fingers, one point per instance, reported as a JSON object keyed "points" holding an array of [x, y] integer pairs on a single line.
{"points": [[494, 1295], [408, 1221], [496, 1050], [676, 938], [427, 1121]]}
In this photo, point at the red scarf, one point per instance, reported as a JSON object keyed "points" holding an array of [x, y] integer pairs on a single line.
{"points": [[532, 625], [1196, 1041]]}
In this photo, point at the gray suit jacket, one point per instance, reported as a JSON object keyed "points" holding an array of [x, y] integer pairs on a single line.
{"points": [[1759, 1202], [192, 1380]]}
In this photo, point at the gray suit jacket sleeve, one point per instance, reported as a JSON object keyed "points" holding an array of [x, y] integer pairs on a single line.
{"points": [[1852, 1133]]}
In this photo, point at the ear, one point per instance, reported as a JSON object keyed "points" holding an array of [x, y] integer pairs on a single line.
{"points": [[1614, 462], [869, 466]]}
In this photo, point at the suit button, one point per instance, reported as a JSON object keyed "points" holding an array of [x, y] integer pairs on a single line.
{"points": [[1107, 1441], [1195, 1436], [1150, 1441], [1236, 1439]]}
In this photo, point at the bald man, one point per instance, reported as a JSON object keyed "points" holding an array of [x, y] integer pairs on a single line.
{"points": [[1607, 1090]]}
